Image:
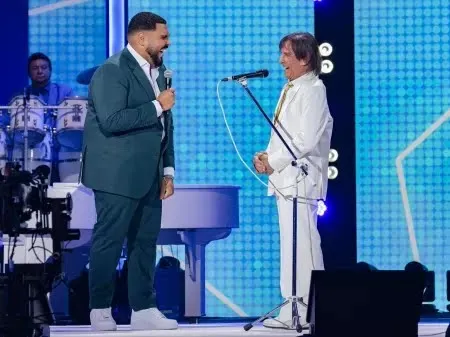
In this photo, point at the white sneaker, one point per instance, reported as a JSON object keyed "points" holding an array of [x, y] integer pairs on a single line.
{"points": [[102, 320], [151, 319]]}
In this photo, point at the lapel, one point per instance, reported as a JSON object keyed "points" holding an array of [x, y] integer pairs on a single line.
{"points": [[282, 122], [161, 80], [291, 98], [139, 74], [300, 82]]}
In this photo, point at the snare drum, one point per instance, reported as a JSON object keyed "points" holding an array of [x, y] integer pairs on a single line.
{"points": [[40, 154], [70, 122], [36, 116]]}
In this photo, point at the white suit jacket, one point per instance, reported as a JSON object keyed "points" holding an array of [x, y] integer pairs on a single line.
{"points": [[306, 125]]}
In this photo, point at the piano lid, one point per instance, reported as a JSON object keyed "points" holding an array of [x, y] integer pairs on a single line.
{"points": [[192, 206], [202, 206]]}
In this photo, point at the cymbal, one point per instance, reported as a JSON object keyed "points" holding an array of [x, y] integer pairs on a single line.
{"points": [[86, 75]]}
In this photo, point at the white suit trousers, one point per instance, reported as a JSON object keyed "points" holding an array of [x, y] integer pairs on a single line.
{"points": [[309, 252]]}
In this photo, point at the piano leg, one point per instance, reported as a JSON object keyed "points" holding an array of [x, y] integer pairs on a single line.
{"points": [[195, 280]]}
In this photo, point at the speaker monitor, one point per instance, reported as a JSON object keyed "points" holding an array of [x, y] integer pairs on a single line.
{"points": [[365, 303]]}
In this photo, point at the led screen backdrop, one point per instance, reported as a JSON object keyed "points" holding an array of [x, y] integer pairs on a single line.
{"points": [[402, 88]]}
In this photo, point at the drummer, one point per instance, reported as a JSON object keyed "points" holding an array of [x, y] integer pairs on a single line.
{"points": [[51, 93], [40, 72]]}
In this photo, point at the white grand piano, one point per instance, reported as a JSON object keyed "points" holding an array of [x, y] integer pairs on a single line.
{"points": [[194, 216]]}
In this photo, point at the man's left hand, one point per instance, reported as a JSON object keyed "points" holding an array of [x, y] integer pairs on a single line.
{"points": [[265, 159], [167, 188]]}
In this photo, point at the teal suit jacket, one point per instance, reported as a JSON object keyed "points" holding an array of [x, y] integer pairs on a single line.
{"points": [[123, 152]]}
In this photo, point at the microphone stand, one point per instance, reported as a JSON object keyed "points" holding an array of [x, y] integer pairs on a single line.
{"points": [[294, 299], [26, 100]]}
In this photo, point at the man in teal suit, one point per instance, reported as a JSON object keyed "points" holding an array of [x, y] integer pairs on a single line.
{"points": [[128, 161]]}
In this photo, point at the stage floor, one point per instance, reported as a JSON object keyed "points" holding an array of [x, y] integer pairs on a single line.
{"points": [[215, 330]]}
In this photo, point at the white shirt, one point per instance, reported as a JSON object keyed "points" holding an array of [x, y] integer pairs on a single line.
{"points": [[152, 75]]}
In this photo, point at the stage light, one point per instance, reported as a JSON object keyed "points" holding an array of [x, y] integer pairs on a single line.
{"points": [[321, 208], [429, 293], [327, 66], [365, 266], [325, 49], [415, 266], [332, 172], [333, 155]]}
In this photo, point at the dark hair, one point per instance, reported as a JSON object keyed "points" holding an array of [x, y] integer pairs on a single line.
{"points": [[305, 47], [144, 21], [39, 56]]}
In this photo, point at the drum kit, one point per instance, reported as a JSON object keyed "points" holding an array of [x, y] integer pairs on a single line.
{"points": [[52, 135]]}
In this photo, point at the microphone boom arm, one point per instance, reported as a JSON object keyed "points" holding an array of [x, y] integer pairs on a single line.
{"points": [[259, 73]]}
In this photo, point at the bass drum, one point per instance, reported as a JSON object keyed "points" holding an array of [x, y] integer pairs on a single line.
{"points": [[40, 154]]}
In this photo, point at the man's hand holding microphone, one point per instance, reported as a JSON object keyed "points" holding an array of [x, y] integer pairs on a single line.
{"points": [[167, 99]]}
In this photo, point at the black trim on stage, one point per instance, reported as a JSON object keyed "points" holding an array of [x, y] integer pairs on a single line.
{"points": [[334, 23]]}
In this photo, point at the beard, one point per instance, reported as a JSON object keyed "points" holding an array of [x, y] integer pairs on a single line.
{"points": [[154, 55]]}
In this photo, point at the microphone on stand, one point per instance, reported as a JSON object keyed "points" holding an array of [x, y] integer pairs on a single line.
{"points": [[26, 95], [168, 75], [259, 73]]}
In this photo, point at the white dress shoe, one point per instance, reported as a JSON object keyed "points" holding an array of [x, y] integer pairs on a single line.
{"points": [[102, 320], [151, 319]]}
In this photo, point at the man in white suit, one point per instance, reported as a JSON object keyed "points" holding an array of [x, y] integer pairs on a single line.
{"points": [[303, 119]]}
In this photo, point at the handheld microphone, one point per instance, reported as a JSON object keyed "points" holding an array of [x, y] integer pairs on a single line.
{"points": [[259, 73], [168, 75]]}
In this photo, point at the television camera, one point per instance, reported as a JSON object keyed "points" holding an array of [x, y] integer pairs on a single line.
{"points": [[24, 287]]}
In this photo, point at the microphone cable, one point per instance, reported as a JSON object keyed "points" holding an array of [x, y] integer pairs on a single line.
{"points": [[232, 138], [308, 202]]}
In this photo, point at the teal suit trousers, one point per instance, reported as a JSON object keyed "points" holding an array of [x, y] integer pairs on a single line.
{"points": [[138, 221]]}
